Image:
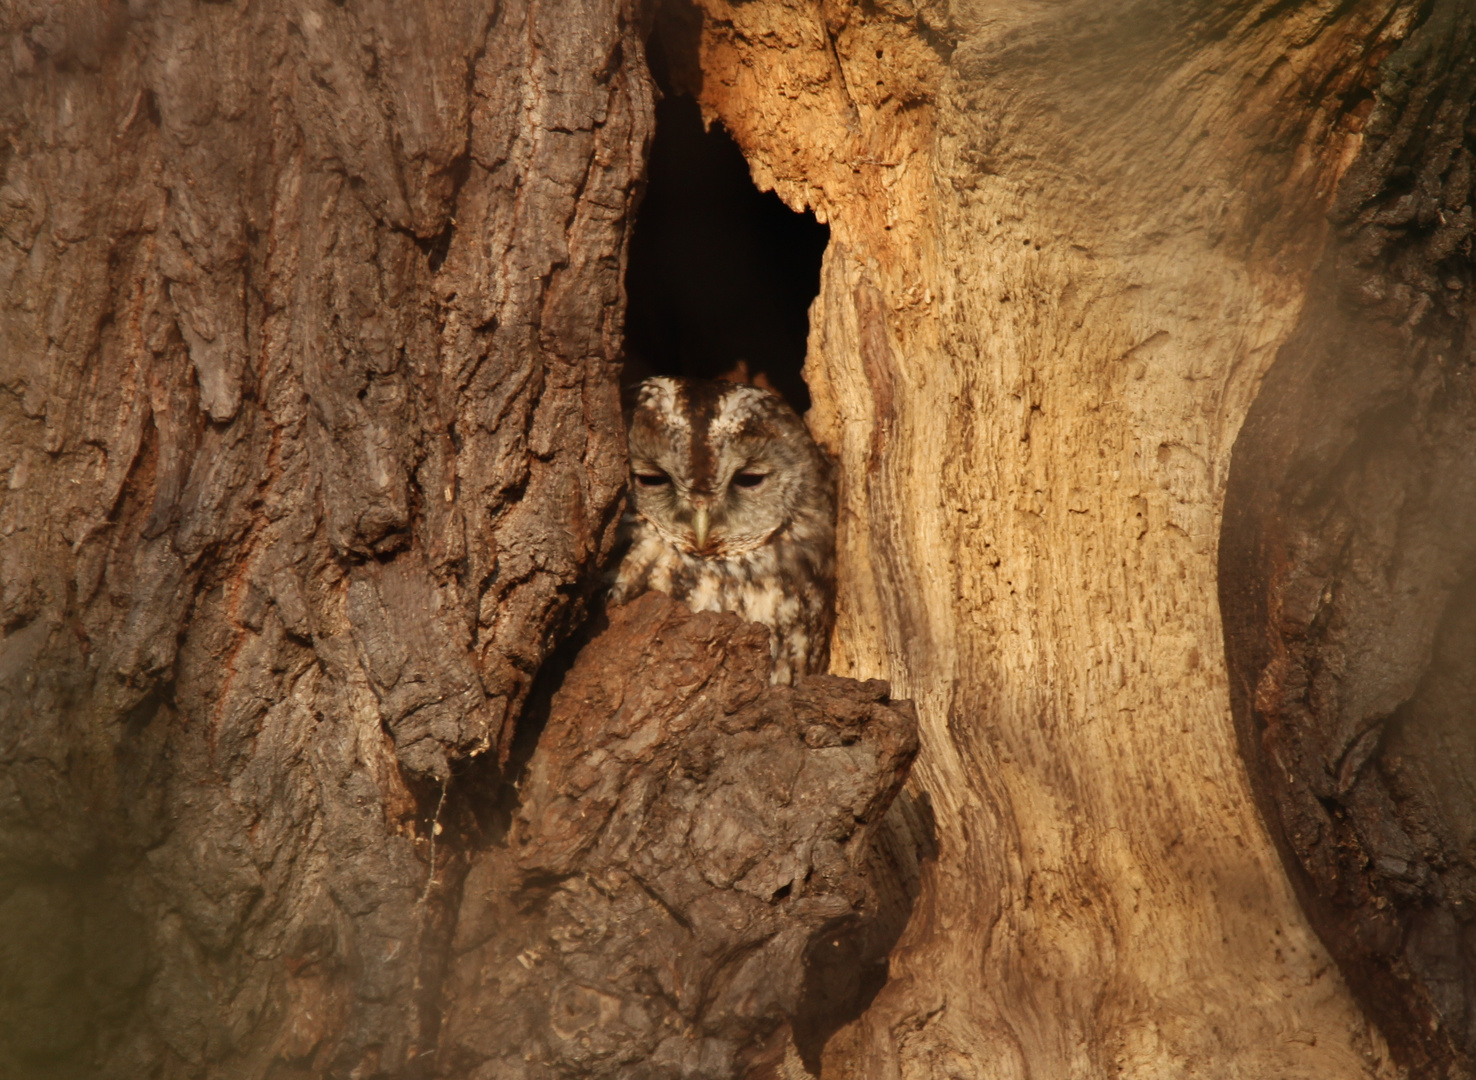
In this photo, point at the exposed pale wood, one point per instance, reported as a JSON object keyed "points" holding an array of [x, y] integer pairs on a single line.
{"points": [[1068, 242]]}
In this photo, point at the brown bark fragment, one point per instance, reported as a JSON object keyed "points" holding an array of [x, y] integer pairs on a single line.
{"points": [[688, 837]]}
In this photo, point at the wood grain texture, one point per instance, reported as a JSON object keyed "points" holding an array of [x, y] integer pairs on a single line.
{"points": [[309, 315], [1068, 242]]}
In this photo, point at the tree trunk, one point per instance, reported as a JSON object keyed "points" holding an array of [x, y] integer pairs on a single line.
{"points": [[312, 434], [1348, 562], [1068, 244], [311, 320]]}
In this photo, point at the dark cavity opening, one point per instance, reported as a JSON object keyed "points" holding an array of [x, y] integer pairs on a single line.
{"points": [[721, 275]]}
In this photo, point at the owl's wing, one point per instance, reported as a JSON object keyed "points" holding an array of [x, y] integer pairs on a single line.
{"points": [[636, 550]]}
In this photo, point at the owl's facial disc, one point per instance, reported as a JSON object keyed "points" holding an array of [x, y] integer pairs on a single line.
{"points": [[716, 469]]}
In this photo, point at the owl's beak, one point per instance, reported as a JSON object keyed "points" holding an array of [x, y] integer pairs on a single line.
{"points": [[700, 526]]}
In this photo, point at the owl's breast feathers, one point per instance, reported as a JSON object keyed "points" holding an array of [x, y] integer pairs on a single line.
{"points": [[780, 584]]}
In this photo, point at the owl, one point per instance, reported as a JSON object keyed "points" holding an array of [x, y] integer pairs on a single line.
{"points": [[732, 508]]}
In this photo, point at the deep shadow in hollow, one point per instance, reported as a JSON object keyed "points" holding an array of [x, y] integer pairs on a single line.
{"points": [[483, 793], [847, 965], [721, 275]]}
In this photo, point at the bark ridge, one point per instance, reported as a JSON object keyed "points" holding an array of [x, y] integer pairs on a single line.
{"points": [[309, 326]]}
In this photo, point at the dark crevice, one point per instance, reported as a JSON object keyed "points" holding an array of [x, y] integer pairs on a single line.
{"points": [[721, 275], [676, 916], [474, 809], [435, 247], [844, 971], [847, 965], [484, 791]]}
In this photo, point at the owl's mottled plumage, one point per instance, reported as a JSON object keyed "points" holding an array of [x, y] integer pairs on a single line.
{"points": [[732, 509]]}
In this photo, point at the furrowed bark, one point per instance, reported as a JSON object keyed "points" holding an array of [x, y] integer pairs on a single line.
{"points": [[311, 432], [691, 849]]}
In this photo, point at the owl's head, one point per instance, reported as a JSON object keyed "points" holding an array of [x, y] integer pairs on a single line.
{"points": [[718, 468]]}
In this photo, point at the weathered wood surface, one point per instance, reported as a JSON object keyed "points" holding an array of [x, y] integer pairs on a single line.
{"points": [[310, 434], [1348, 575], [1068, 242], [687, 839]]}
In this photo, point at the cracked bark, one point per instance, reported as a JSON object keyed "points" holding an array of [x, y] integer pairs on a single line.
{"points": [[314, 454], [687, 838]]}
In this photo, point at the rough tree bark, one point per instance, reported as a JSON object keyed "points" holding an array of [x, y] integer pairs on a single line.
{"points": [[687, 838], [1348, 556], [313, 446], [314, 453], [309, 315]]}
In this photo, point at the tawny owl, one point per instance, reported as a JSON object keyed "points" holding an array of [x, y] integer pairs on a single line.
{"points": [[732, 509]]}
